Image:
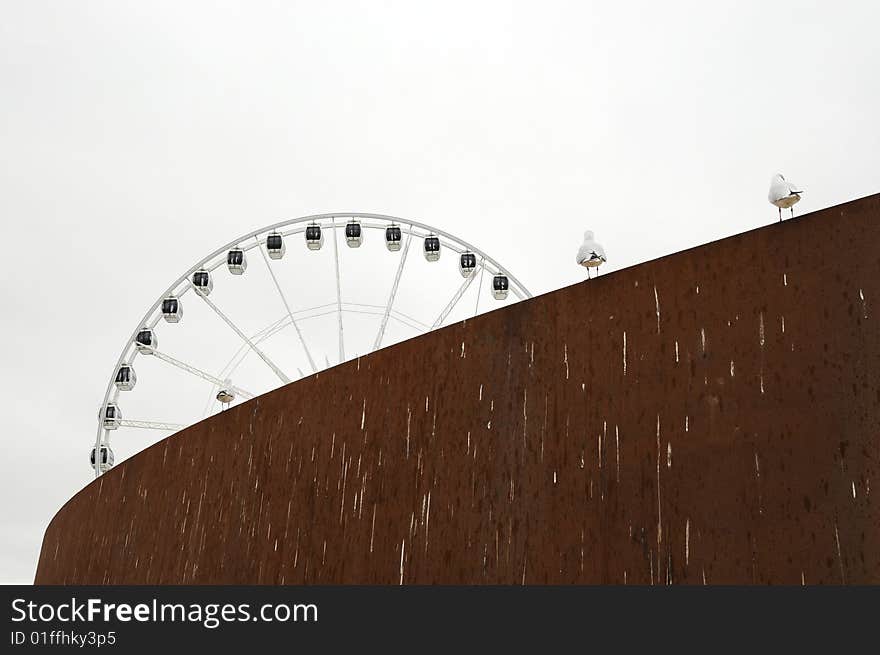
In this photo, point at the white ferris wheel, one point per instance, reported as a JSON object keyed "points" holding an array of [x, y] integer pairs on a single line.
{"points": [[283, 302]]}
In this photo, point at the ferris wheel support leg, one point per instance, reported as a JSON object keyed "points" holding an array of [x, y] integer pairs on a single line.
{"points": [[287, 307], [338, 292], [391, 297], [243, 336]]}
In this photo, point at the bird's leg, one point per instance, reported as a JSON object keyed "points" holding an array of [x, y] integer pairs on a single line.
{"points": [[779, 209], [792, 211]]}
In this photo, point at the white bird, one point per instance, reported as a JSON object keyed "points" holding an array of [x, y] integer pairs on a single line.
{"points": [[783, 194], [591, 254]]}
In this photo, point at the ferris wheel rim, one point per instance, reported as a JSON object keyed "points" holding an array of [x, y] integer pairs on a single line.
{"points": [[184, 283]]}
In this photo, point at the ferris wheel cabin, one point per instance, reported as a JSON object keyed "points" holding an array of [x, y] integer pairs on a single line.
{"points": [[146, 340], [125, 378], [314, 236], [106, 459], [275, 246], [236, 262], [354, 234], [500, 285], [172, 309], [432, 248], [110, 416], [392, 238], [467, 264], [202, 282]]}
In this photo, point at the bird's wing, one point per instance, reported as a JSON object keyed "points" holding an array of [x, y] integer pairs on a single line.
{"points": [[778, 190], [589, 251], [782, 190]]}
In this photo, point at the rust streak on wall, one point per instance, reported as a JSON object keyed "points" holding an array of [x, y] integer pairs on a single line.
{"points": [[711, 416]]}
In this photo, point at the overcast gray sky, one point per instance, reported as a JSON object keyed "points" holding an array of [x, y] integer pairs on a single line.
{"points": [[136, 137]]}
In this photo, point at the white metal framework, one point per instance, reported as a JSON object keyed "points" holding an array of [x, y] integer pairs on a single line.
{"points": [[233, 255]]}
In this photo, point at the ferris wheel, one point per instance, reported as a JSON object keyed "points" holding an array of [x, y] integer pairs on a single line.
{"points": [[322, 292]]}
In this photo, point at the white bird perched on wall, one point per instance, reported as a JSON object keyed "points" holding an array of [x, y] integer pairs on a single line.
{"points": [[783, 194], [591, 254]]}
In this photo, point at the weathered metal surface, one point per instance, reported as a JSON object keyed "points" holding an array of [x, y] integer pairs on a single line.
{"points": [[712, 416]]}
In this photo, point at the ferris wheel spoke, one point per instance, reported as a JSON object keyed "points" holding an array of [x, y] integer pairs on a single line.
{"points": [[287, 307], [412, 325], [338, 292], [384, 323], [237, 358], [479, 289], [150, 425], [398, 315], [192, 370], [454, 301], [243, 336]]}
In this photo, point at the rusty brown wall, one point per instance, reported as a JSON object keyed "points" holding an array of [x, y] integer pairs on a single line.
{"points": [[712, 416]]}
